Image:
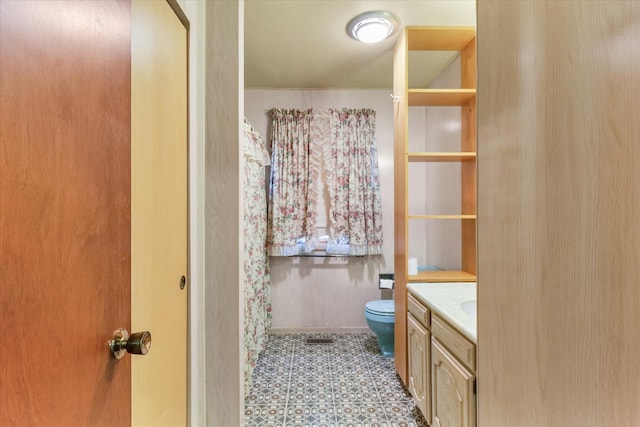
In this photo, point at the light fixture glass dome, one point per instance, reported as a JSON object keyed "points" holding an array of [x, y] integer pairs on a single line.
{"points": [[372, 27]]}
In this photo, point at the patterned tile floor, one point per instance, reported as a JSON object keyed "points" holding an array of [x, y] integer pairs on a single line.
{"points": [[347, 383]]}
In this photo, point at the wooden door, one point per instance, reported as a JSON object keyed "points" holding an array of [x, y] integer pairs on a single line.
{"points": [[64, 211], [93, 224], [159, 212], [453, 399]]}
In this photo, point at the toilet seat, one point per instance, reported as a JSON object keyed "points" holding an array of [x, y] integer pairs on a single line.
{"points": [[382, 307]]}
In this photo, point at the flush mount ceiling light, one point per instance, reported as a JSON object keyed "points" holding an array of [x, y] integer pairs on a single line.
{"points": [[372, 27]]}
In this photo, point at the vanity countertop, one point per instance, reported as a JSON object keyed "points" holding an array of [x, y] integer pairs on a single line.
{"points": [[446, 300]]}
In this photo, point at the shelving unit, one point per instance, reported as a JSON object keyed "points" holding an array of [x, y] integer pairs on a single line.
{"points": [[441, 157], [461, 39], [439, 97]]}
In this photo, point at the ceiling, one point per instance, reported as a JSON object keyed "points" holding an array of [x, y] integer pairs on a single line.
{"points": [[303, 43]]}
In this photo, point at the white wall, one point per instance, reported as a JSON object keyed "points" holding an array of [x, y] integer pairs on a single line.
{"points": [[312, 293]]}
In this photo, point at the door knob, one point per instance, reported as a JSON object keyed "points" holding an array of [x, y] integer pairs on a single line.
{"points": [[136, 343]]}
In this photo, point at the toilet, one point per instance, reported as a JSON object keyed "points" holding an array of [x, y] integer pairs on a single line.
{"points": [[380, 315]]}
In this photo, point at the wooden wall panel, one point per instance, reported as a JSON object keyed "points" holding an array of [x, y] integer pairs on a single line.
{"points": [[559, 230]]}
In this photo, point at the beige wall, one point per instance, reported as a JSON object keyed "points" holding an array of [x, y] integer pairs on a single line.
{"points": [[317, 294], [559, 229], [223, 303]]}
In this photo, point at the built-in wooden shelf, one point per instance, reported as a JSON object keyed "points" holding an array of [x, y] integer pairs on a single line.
{"points": [[439, 38], [441, 216], [440, 97], [462, 96], [442, 276], [441, 157]]}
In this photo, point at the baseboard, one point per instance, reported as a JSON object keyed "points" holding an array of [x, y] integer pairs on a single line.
{"points": [[320, 330]]}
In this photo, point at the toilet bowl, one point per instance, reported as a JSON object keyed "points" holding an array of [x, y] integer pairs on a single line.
{"points": [[380, 315]]}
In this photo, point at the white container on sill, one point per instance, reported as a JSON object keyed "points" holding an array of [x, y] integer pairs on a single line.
{"points": [[413, 267]]}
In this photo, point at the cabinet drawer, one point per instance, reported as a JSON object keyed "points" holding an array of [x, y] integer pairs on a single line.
{"points": [[419, 311], [463, 349]]}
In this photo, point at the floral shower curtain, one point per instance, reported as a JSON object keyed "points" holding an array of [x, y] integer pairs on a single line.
{"points": [[341, 143], [257, 295]]}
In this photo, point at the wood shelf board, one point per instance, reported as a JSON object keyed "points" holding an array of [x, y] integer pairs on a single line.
{"points": [[466, 217], [441, 157], [439, 38], [440, 97], [442, 276]]}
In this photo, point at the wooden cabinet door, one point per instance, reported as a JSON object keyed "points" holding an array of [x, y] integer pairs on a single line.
{"points": [[419, 365], [453, 399]]}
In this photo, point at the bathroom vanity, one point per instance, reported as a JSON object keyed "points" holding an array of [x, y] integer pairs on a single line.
{"points": [[441, 341]]}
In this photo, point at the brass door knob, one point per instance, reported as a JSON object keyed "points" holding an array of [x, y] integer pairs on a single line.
{"points": [[136, 343]]}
